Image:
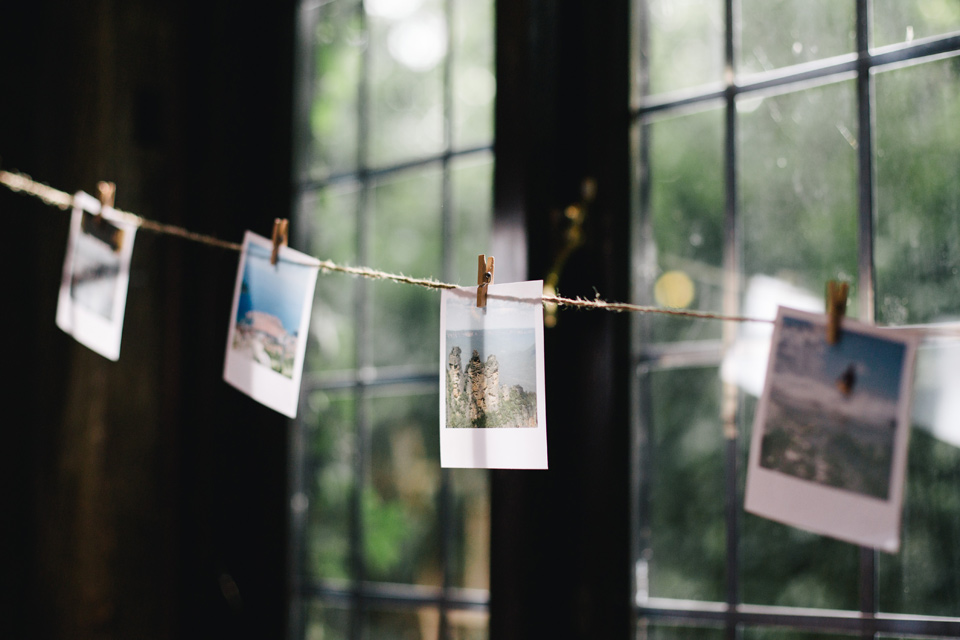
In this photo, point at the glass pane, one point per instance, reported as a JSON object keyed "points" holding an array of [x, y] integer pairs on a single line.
{"points": [[323, 622], [329, 482], [401, 624], [400, 517], [924, 577], [468, 625], [918, 193], [784, 566], [406, 238], [773, 633], [685, 46], [662, 631], [472, 187], [408, 43], [326, 225], [686, 522], [686, 211], [904, 20], [797, 164], [780, 33], [470, 552], [474, 85], [338, 50]]}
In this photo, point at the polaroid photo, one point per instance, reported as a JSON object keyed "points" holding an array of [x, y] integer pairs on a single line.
{"points": [[829, 446], [96, 273], [492, 401], [267, 338]]}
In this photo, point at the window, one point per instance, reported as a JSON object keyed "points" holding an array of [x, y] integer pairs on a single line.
{"points": [[395, 172], [780, 145]]}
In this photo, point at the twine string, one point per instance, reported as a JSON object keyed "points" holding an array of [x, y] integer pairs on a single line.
{"points": [[24, 184]]}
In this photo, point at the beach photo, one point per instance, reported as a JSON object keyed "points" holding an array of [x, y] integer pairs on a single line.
{"points": [[269, 320], [832, 410], [270, 309], [831, 428]]}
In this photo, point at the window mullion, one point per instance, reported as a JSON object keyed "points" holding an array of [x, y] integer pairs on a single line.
{"points": [[865, 275], [731, 306]]}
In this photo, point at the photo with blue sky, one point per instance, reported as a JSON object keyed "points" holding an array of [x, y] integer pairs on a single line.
{"points": [[275, 289], [832, 409]]}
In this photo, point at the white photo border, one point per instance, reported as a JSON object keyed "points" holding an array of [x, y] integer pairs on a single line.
{"points": [[272, 389], [87, 327], [846, 515], [496, 448]]}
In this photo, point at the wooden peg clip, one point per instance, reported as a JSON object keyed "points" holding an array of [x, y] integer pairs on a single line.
{"points": [[484, 278], [836, 308], [107, 191], [280, 228]]}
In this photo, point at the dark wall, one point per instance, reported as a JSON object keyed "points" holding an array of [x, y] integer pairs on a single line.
{"points": [[143, 498], [561, 538]]}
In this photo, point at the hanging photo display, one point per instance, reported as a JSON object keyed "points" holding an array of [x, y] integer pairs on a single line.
{"points": [[267, 338], [829, 446], [96, 272], [492, 405]]}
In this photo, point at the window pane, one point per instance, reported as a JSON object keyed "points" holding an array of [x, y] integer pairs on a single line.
{"points": [[474, 86], [338, 49], [797, 167], [918, 193], [324, 622], [924, 577], [471, 528], [662, 631], [780, 33], [401, 527], [773, 633], [685, 45], [468, 625], [408, 42], [329, 480], [326, 225], [471, 179], [686, 211], [688, 539], [904, 20], [401, 624], [406, 238], [785, 566]]}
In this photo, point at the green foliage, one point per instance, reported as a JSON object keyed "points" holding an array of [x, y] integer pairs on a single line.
{"points": [[386, 531]]}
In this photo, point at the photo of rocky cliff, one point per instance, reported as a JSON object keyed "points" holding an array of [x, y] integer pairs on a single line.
{"points": [[495, 386]]}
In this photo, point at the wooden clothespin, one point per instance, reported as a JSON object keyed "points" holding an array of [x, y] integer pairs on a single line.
{"points": [[280, 228], [107, 191], [484, 278], [836, 308]]}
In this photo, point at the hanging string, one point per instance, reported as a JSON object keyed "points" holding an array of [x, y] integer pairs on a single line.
{"points": [[24, 184]]}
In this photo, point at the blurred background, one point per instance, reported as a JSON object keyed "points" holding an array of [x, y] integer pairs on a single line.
{"points": [[714, 155]]}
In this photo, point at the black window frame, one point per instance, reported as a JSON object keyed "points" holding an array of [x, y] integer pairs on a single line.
{"points": [[733, 614], [366, 380]]}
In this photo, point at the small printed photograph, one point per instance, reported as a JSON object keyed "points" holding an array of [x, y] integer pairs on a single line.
{"points": [[268, 331], [492, 410], [95, 276], [832, 424]]}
